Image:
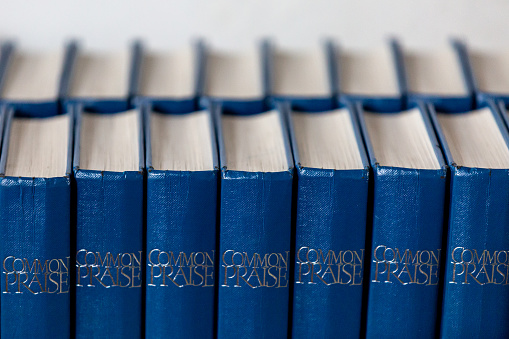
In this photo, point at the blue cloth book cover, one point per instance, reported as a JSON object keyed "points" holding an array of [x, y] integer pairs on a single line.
{"points": [[35, 226], [102, 82], [171, 81], [476, 293], [109, 223], [441, 77], [306, 79], [182, 209], [255, 225], [32, 82], [376, 78], [331, 221], [409, 188]]}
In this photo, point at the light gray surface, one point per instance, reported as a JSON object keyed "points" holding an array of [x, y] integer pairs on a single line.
{"points": [[228, 23]]}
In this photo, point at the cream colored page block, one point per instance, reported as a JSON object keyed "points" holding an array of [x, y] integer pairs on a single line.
{"points": [[254, 143], [401, 140], [38, 147], [100, 75], [181, 142], [110, 142], [33, 76], [168, 74], [437, 72], [327, 140], [370, 72], [491, 71], [301, 73], [474, 139], [236, 76]]}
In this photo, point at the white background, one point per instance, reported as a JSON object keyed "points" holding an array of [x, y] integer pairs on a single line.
{"points": [[109, 24]]}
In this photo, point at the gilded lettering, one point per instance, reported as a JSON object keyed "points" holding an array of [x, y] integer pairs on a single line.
{"points": [[405, 266]]}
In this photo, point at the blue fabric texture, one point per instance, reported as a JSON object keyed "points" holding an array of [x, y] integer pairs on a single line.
{"points": [[408, 219], [254, 254], [34, 246], [330, 252], [181, 247], [109, 257], [476, 293]]}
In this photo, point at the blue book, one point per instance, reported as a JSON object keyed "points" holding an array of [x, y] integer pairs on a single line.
{"points": [[235, 80], [305, 78], [330, 234], [255, 226], [31, 82], [6, 50], [170, 81], [409, 188], [102, 82], [476, 293], [182, 190], [376, 77], [109, 175], [488, 71], [440, 76], [35, 224]]}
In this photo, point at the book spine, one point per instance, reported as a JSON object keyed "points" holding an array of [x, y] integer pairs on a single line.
{"points": [[109, 257], [35, 251], [329, 253], [408, 218], [254, 253], [181, 249], [476, 293]]}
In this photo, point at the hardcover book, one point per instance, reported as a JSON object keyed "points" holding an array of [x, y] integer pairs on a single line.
{"points": [[330, 235], [35, 208], [409, 187], [490, 71], [255, 225], [476, 293], [170, 80], [235, 79], [109, 171], [32, 81], [305, 78], [182, 189], [102, 81], [374, 77], [440, 76]]}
